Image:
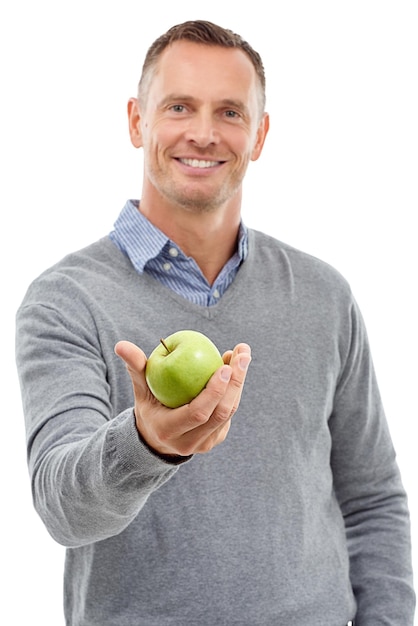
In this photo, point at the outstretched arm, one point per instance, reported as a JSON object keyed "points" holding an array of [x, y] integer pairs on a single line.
{"points": [[94, 459]]}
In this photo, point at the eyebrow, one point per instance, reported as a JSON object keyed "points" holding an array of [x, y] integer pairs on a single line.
{"points": [[235, 104], [174, 97]]}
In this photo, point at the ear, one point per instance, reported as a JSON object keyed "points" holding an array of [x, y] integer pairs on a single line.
{"points": [[260, 136], [134, 118]]}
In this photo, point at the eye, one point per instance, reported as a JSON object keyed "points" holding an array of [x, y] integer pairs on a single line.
{"points": [[177, 108], [231, 114]]}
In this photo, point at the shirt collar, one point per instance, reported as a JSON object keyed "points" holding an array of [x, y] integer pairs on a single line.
{"points": [[136, 236], [141, 241]]}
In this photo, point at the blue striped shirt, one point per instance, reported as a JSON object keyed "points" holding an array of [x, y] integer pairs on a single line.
{"points": [[151, 251]]}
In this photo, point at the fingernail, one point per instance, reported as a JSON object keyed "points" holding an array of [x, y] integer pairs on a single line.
{"points": [[244, 362], [226, 374]]}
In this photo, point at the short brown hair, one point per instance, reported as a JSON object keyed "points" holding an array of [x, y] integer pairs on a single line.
{"points": [[203, 32]]}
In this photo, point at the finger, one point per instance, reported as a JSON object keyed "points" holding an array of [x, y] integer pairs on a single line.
{"points": [[240, 360], [219, 400], [135, 361], [211, 411], [202, 440], [227, 356], [200, 409]]}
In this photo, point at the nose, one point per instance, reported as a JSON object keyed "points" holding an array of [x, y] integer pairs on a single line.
{"points": [[202, 129]]}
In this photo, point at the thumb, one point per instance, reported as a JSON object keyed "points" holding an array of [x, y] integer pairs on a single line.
{"points": [[135, 361]]}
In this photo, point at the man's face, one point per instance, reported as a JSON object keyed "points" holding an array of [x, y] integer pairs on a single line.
{"points": [[200, 125]]}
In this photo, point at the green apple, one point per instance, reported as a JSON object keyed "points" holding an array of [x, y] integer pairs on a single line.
{"points": [[180, 366]]}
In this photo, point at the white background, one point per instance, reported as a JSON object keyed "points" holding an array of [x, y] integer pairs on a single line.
{"points": [[338, 178]]}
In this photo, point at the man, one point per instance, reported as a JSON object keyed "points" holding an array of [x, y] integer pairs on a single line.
{"points": [[299, 517]]}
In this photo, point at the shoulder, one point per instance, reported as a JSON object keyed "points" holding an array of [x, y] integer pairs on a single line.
{"points": [[86, 270], [301, 268]]}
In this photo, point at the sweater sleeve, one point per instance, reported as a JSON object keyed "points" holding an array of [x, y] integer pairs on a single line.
{"points": [[90, 472], [370, 492]]}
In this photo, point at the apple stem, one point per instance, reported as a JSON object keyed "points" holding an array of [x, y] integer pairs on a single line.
{"points": [[164, 344]]}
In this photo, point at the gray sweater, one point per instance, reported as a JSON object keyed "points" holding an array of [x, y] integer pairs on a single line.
{"points": [[299, 518]]}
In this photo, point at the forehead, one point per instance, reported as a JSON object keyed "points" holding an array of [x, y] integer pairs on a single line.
{"points": [[189, 67]]}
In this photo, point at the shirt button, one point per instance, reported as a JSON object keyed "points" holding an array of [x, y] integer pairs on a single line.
{"points": [[167, 267], [216, 294], [173, 252]]}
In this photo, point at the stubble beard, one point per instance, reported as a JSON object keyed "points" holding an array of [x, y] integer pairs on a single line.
{"points": [[195, 201], [192, 199]]}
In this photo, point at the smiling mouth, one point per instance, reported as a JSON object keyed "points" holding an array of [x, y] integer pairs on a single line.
{"points": [[200, 163]]}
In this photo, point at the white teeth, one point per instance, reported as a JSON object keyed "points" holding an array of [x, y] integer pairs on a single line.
{"points": [[199, 163]]}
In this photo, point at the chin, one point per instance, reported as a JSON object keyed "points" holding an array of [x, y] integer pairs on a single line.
{"points": [[197, 202]]}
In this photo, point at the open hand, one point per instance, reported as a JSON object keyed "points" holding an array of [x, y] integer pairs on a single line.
{"points": [[195, 427]]}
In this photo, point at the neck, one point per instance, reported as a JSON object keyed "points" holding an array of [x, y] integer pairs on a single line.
{"points": [[210, 238]]}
